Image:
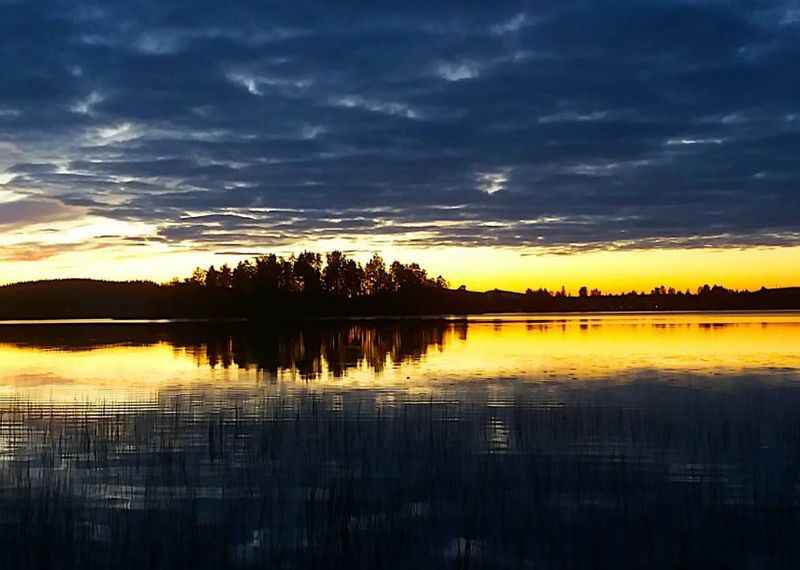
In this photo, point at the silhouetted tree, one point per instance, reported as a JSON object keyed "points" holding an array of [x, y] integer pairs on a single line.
{"points": [[198, 277], [225, 277], [244, 277], [333, 274], [270, 273], [307, 269], [377, 280], [212, 278], [353, 279], [409, 277]]}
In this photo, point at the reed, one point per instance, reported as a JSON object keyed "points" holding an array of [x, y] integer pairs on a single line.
{"points": [[610, 476]]}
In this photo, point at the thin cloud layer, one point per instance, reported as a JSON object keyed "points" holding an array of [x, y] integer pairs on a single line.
{"points": [[570, 126], [25, 212]]}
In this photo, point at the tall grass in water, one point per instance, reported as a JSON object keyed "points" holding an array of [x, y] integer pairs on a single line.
{"points": [[609, 476]]}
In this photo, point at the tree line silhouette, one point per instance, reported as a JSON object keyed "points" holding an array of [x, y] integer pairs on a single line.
{"points": [[305, 274], [312, 285], [309, 284]]}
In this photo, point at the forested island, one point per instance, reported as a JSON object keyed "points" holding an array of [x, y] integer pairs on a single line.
{"points": [[311, 285]]}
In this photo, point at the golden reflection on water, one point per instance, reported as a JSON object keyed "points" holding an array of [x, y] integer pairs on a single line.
{"points": [[504, 348], [589, 348]]}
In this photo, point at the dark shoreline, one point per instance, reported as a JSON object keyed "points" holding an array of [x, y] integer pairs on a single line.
{"points": [[87, 299], [472, 318]]}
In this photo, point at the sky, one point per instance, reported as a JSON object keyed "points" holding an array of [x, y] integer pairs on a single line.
{"points": [[620, 145]]}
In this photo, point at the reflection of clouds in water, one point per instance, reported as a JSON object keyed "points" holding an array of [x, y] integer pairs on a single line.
{"points": [[40, 379]]}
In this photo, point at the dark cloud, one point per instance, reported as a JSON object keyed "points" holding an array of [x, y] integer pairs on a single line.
{"points": [[32, 211], [572, 125]]}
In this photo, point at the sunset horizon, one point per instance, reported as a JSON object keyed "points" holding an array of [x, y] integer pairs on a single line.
{"points": [[479, 269], [429, 285], [502, 147]]}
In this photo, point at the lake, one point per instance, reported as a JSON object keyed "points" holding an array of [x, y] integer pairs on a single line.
{"points": [[496, 441]]}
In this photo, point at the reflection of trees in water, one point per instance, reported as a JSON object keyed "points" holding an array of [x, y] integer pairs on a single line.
{"points": [[306, 349], [309, 350]]}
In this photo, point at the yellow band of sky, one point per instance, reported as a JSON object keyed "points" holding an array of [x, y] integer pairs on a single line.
{"points": [[478, 268]]}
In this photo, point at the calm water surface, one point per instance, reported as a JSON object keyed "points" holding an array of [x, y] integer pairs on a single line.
{"points": [[520, 441]]}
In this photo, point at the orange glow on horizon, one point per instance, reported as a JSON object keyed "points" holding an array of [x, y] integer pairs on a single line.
{"points": [[480, 268]]}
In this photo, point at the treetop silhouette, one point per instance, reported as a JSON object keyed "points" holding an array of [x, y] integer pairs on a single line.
{"points": [[310, 285]]}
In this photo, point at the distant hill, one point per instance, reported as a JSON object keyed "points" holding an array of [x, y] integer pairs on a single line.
{"points": [[87, 298], [82, 298]]}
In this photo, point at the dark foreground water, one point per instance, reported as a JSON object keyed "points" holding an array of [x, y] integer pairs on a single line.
{"points": [[618, 441]]}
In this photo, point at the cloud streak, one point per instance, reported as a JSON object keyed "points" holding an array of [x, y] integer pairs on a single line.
{"points": [[572, 127]]}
